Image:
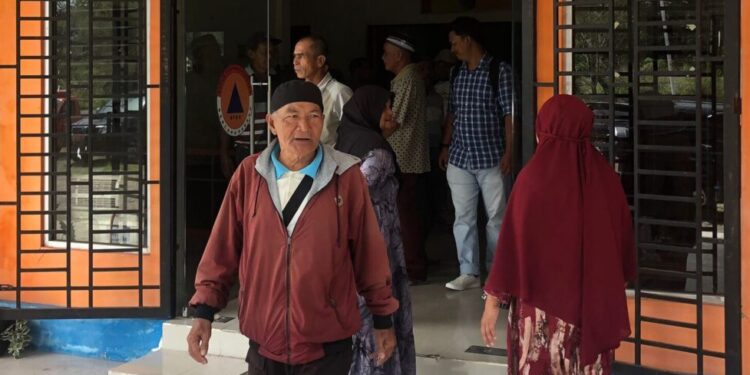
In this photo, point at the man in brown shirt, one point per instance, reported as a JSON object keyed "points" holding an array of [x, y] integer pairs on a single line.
{"points": [[411, 145]]}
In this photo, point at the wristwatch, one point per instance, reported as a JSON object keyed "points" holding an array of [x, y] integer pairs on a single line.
{"points": [[500, 304]]}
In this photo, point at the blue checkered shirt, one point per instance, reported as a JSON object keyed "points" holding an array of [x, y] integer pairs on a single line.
{"points": [[479, 117]]}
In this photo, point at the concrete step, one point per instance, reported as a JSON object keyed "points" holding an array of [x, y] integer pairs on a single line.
{"points": [[228, 347], [177, 362], [445, 325], [226, 339]]}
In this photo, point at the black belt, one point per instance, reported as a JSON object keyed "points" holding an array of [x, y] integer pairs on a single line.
{"points": [[329, 348]]}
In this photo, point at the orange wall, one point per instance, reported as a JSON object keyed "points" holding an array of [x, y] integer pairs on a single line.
{"points": [[8, 179], [669, 360], [745, 185]]}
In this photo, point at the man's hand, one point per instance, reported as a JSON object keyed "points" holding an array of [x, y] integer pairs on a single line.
{"points": [[506, 164], [385, 343], [489, 320], [388, 123], [198, 340], [443, 158]]}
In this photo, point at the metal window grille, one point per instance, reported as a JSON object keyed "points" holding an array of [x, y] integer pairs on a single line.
{"points": [[653, 71], [81, 154]]}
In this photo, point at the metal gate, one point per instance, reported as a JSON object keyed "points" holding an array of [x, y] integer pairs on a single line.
{"points": [[83, 185], [653, 72]]}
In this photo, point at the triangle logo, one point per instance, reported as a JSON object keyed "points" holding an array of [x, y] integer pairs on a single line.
{"points": [[235, 104]]}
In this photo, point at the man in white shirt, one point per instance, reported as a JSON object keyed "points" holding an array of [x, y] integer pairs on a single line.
{"points": [[311, 64]]}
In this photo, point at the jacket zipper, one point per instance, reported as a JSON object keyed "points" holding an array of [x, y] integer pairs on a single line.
{"points": [[288, 294], [288, 301], [289, 281]]}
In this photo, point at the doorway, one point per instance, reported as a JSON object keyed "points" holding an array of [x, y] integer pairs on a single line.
{"points": [[225, 30]]}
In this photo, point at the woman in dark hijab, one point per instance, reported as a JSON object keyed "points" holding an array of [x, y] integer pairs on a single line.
{"points": [[565, 253], [367, 120]]}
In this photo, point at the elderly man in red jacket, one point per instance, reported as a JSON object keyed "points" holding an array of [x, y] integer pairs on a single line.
{"points": [[298, 226]]}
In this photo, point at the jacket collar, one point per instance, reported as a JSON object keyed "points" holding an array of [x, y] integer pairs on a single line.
{"points": [[334, 163], [310, 170], [325, 81]]}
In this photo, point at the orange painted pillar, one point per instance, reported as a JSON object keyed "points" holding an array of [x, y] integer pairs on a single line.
{"points": [[745, 185], [7, 144]]}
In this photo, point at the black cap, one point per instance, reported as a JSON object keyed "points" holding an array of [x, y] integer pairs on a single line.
{"points": [[296, 91]]}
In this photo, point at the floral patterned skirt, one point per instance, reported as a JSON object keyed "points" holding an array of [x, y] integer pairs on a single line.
{"points": [[539, 343]]}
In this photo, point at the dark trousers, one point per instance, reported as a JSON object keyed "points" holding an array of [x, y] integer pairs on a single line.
{"points": [[410, 208], [336, 362]]}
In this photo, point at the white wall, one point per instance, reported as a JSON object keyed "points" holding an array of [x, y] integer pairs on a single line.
{"points": [[344, 22]]}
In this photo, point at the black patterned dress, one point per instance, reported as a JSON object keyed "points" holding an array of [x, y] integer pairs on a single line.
{"points": [[379, 168]]}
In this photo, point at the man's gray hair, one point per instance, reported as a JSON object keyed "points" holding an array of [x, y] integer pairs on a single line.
{"points": [[319, 45]]}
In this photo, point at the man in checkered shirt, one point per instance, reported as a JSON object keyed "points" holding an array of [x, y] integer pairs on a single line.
{"points": [[477, 145]]}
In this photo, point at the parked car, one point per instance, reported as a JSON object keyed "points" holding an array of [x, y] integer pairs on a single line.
{"points": [[116, 130]]}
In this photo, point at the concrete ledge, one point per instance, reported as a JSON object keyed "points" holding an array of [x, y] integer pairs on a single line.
{"points": [[226, 340], [174, 362]]}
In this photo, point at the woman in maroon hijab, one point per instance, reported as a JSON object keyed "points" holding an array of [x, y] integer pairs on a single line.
{"points": [[564, 254]]}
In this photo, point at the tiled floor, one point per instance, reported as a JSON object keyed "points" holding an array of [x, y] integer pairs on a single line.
{"points": [[446, 323], [36, 363], [171, 362]]}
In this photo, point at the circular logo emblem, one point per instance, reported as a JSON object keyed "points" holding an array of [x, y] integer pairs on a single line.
{"points": [[234, 100]]}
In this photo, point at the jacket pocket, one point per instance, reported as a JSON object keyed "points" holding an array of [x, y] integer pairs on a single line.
{"points": [[334, 306]]}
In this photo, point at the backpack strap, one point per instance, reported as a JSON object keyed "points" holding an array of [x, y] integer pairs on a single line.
{"points": [[295, 201], [495, 76]]}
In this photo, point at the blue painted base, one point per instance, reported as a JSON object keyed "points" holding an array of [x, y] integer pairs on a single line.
{"points": [[111, 339]]}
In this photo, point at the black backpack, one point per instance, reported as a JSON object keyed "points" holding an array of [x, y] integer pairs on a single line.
{"points": [[494, 75]]}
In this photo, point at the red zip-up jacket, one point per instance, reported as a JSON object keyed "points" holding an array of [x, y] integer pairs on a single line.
{"points": [[297, 290]]}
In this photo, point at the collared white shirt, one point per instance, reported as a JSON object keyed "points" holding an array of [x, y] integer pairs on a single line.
{"points": [[335, 95], [287, 182]]}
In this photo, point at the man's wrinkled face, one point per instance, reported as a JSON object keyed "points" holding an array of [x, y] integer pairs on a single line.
{"points": [[306, 63], [298, 127], [391, 56]]}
